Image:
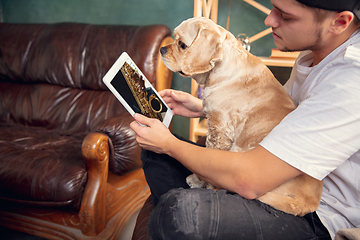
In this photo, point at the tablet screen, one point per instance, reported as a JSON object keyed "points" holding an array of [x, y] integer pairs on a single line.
{"points": [[136, 92]]}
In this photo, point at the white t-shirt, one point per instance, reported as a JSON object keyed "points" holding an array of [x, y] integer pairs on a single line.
{"points": [[321, 137]]}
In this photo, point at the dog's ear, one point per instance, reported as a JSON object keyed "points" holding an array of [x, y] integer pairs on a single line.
{"points": [[205, 51]]}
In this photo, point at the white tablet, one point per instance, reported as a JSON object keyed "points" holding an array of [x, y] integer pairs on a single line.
{"points": [[134, 91]]}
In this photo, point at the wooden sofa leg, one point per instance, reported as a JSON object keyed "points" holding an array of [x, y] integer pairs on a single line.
{"points": [[95, 150]]}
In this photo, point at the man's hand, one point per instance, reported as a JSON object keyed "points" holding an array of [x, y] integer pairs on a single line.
{"points": [[182, 103], [154, 135]]}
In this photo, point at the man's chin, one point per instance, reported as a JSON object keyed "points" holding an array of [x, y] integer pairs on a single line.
{"points": [[283, 48]]}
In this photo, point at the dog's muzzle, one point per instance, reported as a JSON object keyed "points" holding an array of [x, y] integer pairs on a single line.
{"points": [[163, 50]]}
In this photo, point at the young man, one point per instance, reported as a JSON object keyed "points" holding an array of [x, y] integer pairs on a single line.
{"points": [[321, 138]]}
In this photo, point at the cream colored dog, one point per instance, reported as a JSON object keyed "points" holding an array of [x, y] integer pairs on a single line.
{"points": [[243, 101]]}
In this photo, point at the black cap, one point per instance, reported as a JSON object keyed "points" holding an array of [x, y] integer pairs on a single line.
{"points": [[335, 5]]}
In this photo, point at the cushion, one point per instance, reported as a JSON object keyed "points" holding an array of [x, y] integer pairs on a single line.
{"points": [[41, 167]]}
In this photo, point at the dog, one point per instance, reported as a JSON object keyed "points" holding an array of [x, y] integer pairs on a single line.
{"points": [[242, 102]]}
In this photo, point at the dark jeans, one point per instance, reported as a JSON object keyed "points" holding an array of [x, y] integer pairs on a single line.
{"points": [[184, 213]]}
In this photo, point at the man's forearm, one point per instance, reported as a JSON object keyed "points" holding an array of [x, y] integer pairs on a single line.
{"points": [[249, 174]]}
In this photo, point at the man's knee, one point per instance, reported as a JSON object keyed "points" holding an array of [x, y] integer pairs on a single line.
{"points": [[179, 215]]}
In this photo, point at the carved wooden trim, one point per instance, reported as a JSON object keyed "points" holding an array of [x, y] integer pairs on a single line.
{"points": [[125, 195], [95, 150]]}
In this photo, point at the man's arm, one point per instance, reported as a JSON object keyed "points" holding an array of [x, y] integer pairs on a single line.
{"points": [[250, 174]]}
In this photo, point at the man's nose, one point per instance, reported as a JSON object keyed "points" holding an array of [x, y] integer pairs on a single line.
{"points": [[271, 21]]}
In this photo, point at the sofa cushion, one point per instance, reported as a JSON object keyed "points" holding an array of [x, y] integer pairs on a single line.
{"points": [[73, 54], [40, 166], [54, 107]]}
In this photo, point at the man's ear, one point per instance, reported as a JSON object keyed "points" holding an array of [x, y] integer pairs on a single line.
{"points": [[205, 51], [341, 21]]}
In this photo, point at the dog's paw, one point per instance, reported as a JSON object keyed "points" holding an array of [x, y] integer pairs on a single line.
{"points": [[195, 182], [209, 186]]}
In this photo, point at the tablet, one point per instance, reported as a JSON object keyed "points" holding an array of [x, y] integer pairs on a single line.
{"points": [[130, 86]]}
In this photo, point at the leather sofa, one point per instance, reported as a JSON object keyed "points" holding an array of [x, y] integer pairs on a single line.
{"points": [[69, 164]]}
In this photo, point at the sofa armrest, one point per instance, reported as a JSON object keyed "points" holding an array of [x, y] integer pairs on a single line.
{"points": [[125, 152], [95, 150]]}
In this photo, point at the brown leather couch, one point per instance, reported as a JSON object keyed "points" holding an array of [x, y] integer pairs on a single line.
{"points": [[69, 164]]}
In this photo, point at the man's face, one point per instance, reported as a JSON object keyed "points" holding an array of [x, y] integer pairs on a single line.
{"points": [[294, 26]]}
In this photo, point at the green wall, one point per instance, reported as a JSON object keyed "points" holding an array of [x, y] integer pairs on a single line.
{"points": [[243, 19]]}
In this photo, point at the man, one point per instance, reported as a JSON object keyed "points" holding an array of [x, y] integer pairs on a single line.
{"points": [[321, 138]]}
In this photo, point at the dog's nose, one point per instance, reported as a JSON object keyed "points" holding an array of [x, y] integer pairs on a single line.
{"points": [[163, 50]]}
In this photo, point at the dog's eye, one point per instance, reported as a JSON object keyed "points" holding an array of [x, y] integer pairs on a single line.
{"points": [[182, 45]]}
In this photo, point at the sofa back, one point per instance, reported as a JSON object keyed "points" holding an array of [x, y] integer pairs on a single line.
{"points": [[51, 74]]}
